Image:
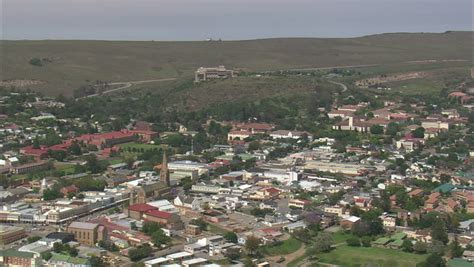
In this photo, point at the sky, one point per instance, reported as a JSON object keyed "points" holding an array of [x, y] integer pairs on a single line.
{"points": [[226, 19]]}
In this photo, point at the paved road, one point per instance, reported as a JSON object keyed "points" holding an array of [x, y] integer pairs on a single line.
{"points": [[126, 85]]}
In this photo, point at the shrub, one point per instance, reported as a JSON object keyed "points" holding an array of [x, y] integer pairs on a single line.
{"points": [[353, 242]]}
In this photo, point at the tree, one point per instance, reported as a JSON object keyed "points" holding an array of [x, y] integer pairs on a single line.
{"points": [[200, 223], [407, 245], [73, 252], [366, 241], [392, 129], [150, 227], [436, 247], [231, 237], [419, 247], [376, 129], [58, 155], [129, 161], [46, 255], [438, 231], [419, 132], [434, 260], [58, 247], [138, 253], [353, 242], [36, 62], [322, 243], [160, 238], [33, 239], [36, 143], [96, 261], [251, 244], [455, 249], [51, 194], [93, 164], [255, 145], [4, 181]]}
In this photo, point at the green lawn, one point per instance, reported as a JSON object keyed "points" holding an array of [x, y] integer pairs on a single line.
{"points": [[341, 237], [360, 256], [138, 146], [115, 161], [417, 86], [286, 247]]}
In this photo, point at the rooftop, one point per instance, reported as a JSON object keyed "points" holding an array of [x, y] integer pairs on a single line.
{"points": [[83, 225]]}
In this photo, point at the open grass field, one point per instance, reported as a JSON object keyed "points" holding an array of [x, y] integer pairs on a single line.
{"points": [[288, 246], [361, 256], [446, 77], [71, 64], [138, 146], [341, 237]]}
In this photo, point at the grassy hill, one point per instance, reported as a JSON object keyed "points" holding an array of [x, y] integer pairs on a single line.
{"points": [[70, 64]]}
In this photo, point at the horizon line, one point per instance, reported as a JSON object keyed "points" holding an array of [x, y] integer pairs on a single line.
{"points": [[210, 39]]}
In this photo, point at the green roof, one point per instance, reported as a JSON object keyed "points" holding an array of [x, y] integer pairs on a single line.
{"points": [[398, 236], [457, 262], [444, 188], [16, 253], [225, 157], [382, 241], [397, 243], [65, 258], [246, 157]]}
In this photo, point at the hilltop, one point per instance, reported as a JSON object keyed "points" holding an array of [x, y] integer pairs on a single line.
{"points": [[67, 65]]}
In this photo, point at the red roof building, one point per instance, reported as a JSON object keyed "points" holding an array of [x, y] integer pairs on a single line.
{"points": [[167, 219], [72, 189], [107, 139], [136, 211]]}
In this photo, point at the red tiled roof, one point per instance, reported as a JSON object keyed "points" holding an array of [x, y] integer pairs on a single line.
{"points": [[257, 126], [272, 190], [71, 188], [159, 214], [415, 192], [240, 132], [141, 207], [106, 136], [143, 132]]}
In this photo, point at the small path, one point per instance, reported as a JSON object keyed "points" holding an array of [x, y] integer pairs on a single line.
{"points": [[127, 85], [344, 87], [289, 257]]}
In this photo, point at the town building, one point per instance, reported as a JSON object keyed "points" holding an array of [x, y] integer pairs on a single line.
{"points": [[204, 74], [9, 234], [87, 233]]}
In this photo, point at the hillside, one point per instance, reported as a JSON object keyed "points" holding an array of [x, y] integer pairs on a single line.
{"points": [[70, 64]]}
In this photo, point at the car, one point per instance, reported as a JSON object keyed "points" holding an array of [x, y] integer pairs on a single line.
{"points": [[280, 260]]}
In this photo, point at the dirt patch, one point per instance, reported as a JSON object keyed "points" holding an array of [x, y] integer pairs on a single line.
{"points": [[20, 83]]}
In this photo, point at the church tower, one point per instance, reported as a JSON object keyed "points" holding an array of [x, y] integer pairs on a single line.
{"points": [[165, 173]]}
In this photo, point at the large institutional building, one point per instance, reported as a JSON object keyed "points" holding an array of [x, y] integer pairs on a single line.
{"points": [[204, 74]]}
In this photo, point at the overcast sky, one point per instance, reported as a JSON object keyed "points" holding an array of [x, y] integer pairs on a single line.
{"points": [[227, 19]]}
